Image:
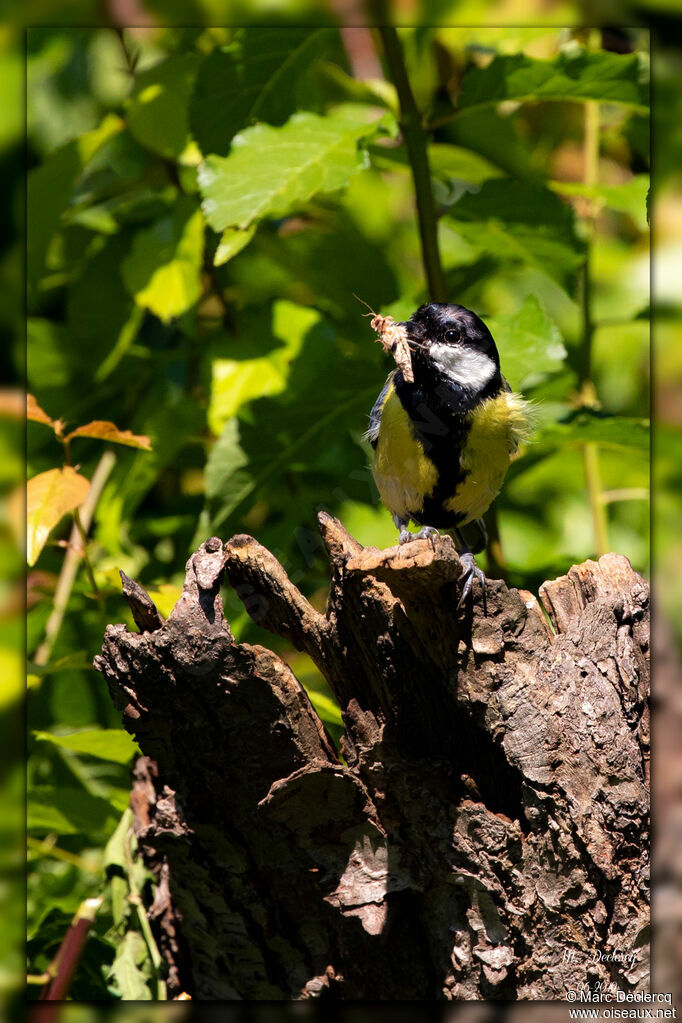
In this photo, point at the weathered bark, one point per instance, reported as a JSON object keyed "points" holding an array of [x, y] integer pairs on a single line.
{"points": [[486, 836]]}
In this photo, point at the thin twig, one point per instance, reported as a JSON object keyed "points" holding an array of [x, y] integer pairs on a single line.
{"points": [[131, 57], [67, 576], [415, 142]]}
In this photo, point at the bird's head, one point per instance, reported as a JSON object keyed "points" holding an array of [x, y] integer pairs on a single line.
{"points": [[454, 344]]}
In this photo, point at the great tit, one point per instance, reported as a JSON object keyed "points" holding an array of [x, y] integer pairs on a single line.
{"points": [[443, 442]]}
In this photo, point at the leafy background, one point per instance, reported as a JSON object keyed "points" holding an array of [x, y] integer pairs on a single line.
{"points": [[203, 205]]}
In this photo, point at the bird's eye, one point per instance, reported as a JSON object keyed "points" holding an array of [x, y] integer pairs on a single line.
{"points": [[451, 335]]}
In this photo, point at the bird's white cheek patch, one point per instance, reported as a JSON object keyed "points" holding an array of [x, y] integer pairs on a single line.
{"points": [[463, 365]]}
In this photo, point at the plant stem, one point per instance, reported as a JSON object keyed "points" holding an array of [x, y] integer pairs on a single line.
{"points": [[590, 178], [63, 966], [69, 570], [131, 57], [86, 557], [45, 849], [135, 899], [597, 505], [415, 142], [587, 389]]}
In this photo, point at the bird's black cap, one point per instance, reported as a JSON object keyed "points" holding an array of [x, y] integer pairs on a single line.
{"points": [[447, 323]]}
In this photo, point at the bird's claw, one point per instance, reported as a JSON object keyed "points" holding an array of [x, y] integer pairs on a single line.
{"points": [[425, 533], [471, 571]]}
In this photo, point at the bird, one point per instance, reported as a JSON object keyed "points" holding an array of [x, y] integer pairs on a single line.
{"points": [[443, 441]]}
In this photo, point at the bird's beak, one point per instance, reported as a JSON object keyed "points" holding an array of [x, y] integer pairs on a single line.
{"points": [[414, 338]]}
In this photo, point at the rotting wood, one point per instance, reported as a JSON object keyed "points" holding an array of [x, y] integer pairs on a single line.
{"points": [[484, 836]]}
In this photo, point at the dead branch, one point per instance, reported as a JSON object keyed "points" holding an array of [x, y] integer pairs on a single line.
{"points": [[484, 836]]}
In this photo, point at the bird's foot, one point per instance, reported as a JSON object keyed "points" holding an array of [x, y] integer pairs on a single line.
{"points": [[471, 571], [425, 533], [428, 533]]}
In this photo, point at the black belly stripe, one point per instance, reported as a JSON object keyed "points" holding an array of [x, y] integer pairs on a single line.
{"points": [[440, 417]]}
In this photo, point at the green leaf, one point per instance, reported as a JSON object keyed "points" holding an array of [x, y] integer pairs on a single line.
{"points": [[631, 197], [257, 78], [163, 269], [49, 190], [449, 164], [511, 220], [99, 313], [116, 864], [585, 427], [332, 260], [239, 380], [69, 811], [327, 710], [232, 241], [128, 979], [49, 366], [342, 86], [158, 109], [575, 74], [271, 171], [297, 432], [497, 137], [228, 474], [530, 345], [104, 743]]}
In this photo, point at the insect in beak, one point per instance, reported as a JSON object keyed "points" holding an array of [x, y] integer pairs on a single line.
{"points": [[412, 341]]}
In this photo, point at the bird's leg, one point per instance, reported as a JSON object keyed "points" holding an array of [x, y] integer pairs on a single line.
{"points": [[471, 569], [483, 540], [425, 533], [401, 525]]}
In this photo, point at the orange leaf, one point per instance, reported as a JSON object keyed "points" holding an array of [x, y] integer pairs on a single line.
{"points": [[109, 431], [34, 412], [11, 403], [49, 495]]}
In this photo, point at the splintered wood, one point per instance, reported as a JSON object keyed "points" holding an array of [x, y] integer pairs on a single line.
{"points": [[393, 338]]}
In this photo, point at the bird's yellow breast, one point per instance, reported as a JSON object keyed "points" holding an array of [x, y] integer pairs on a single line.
{"points": [[406, 476], [497, 426], [403, 473]]}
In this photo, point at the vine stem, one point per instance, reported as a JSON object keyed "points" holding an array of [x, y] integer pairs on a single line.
{"points": [[414, 134]]}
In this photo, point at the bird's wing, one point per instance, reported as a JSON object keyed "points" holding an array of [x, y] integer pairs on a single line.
{"points": [[522, 417], [372, 432]]}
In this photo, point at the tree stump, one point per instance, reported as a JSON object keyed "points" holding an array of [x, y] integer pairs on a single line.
{"points": [[484, 834]]}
